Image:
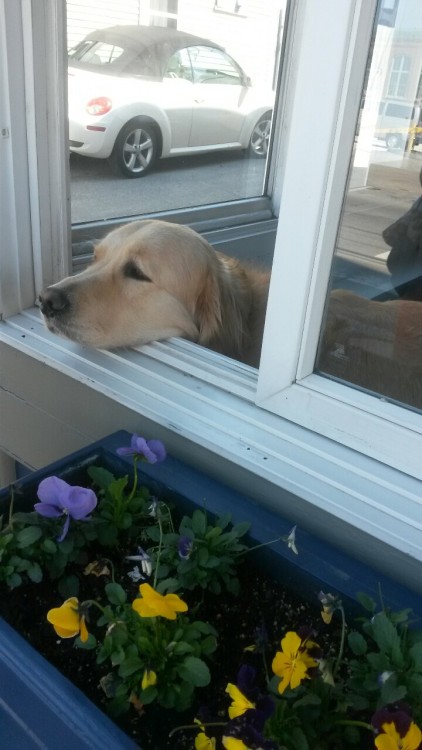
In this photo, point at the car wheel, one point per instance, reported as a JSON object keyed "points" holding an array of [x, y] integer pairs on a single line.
{"points": [[258, 144], [136, 149], [393, 141]]}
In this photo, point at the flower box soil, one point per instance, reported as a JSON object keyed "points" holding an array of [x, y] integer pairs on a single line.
{"points": [[261, 603]]}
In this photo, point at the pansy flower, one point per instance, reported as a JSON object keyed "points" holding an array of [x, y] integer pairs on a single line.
{"points": [[69, 619], [58, 498], [153, 604], [151, 451], [184, 547], [329, 605], [292, 663], [245, 732], [145, 560], [246, 695], [397, 730], [149, 679], [203, 742]]}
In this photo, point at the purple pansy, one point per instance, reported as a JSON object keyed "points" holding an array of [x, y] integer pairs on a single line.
{"points": [[185, 547], [58, 498], [249, 729], [264, 704], [152, 451], [399, 714]]}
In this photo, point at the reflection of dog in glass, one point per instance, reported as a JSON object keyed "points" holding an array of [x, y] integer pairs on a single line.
{"points": [[375, 345], [405, 258], [151, 280]]}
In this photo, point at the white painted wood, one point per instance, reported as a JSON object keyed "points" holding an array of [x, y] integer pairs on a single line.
{"points": [[281, 459]]}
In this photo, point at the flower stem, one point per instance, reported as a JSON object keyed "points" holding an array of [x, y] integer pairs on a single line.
{"points": [[135, 477], [342, 641], [257, 546], [354, 723], [160, 546]]}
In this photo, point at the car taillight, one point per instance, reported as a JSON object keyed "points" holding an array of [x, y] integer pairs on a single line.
{"points": [[99, 106]]}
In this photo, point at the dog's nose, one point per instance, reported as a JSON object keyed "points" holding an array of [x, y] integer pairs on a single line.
{"points": [[53, 301]]}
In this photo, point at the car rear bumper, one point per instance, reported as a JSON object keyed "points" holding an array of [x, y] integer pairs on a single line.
{"points": [[91, 140]]}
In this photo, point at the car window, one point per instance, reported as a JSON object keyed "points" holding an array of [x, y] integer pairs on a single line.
{"points": [[179, 66], [211, 65], [96, 53]]}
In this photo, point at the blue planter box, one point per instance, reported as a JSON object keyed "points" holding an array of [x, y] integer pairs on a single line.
{"points": [[41, 708]]}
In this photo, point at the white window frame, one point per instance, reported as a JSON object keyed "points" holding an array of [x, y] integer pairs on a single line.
{"points": [[300, 462], [308, 221]]}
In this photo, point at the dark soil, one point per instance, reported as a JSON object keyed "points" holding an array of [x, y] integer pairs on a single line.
{"points": [[263, 605]]}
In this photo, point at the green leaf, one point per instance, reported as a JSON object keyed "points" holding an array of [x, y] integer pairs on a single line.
{"points": [[195, 671], [148, 695], [392, 693], [308, 700], [130, 665], [115, 593], [28, 536], [199, 523], [241, 528], [366, 602], [89, 644], [34, 572], [299, 741], [415, 652], [357, 643], [384, 633], [100, 477], [14, 580], [117, 656], [49, 546]]}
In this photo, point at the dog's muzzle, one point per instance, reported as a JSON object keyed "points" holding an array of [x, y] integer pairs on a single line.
{"points": [[53, 302]]}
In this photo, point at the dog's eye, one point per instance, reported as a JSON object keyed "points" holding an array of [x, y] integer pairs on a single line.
{"points": [[132, 271]]}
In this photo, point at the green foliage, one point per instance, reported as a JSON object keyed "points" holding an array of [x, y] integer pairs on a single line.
{"points": [[216, 550], [126, 515], [382, 665]]}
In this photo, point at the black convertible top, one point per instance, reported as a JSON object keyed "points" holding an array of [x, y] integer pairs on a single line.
{"points": [[151, 46]]}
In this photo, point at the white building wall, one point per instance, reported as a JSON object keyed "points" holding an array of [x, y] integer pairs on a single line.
{"points": [[251, 35]]}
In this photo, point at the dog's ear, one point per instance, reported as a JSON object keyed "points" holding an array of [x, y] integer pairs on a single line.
{"points": [[208, 310]]}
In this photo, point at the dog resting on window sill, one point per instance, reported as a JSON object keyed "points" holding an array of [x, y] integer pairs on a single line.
{"points": [[374, 345], [151, 280]]}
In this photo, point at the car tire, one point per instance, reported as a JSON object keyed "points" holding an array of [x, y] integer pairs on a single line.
{"points": [[136, 148], [393, 141], [260, 138]]}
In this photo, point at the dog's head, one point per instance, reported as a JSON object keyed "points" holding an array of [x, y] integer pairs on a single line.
{"points": [[150, 280]]}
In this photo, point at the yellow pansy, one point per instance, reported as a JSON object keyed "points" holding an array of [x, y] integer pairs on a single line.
{"points": [[202, 742], [391, 740], [291, 664], [240, 702], [233, 743], [68, 620], [154, 604], [149, 678]]}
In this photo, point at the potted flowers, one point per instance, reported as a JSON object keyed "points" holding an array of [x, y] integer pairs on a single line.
{"points": [[130, 567]]}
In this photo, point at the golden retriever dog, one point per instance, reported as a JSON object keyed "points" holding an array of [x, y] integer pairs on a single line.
{"points": [[375, 345], [151, 280]]}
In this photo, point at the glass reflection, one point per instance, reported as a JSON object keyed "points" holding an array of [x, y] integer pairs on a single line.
{"points": [[372, 335], [182, 100]]}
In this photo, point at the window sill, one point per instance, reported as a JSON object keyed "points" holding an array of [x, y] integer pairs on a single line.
{"points": [[202, 405]]}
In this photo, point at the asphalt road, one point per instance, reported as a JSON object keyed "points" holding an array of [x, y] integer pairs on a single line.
{"points": [[98, 192]]}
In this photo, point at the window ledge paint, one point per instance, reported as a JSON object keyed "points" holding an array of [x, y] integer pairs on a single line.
{"points": [[203, 406]]}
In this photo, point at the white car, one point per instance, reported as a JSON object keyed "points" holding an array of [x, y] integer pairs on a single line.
{"points": [[138, 93]]}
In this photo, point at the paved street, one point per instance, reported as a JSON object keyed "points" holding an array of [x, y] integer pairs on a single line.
{"points": [[180, 182]]}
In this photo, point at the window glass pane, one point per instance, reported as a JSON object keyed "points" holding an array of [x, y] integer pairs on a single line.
{"points": [[170, 103], [372, 335]]}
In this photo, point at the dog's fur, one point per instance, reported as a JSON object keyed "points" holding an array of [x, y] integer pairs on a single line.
{"points": [[376, 345], [152, 280]]}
